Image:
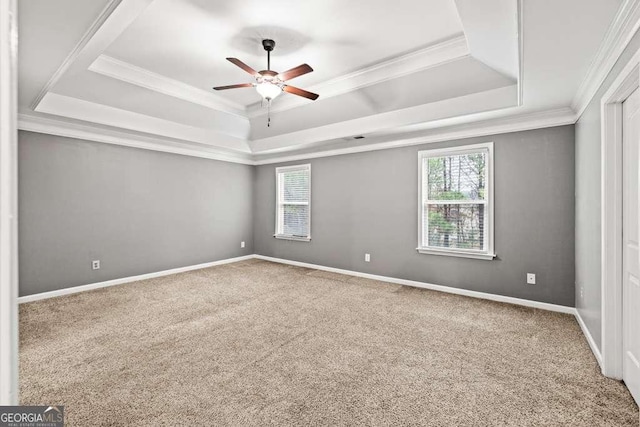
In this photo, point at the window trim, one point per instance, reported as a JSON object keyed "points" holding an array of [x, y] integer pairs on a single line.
{"points": [[277, 235], [489, 253]]}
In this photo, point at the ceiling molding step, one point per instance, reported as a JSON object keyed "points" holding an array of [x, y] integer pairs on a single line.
{"points": [[514, 123], [91, 133], [618, 36], [431, 56], [126, 13], [494, 99], [79, 109], [138, 76]]}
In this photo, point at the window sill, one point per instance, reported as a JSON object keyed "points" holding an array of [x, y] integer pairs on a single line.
{"points": [[299, 239], [474, 255]]}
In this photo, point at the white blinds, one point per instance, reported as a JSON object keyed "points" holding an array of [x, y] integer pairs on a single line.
{"points": [[293, 201]]}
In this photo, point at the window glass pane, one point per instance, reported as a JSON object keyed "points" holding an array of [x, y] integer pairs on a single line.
{"points": [[296, 220], [296, 186], [456, 177], [459, 226]]}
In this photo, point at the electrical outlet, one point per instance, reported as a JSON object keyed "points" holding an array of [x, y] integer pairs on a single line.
{"points": [[367, 257], [95, 265], [242, 244], [531, 279]]}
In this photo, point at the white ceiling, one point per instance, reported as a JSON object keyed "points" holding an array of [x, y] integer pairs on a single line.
{"points": [[146, 67], [189, 40]]}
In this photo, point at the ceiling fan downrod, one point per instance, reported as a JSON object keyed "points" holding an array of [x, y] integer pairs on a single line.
{"points": [[268, 45]]}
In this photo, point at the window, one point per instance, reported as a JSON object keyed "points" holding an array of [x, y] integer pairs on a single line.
{"points": [[456, 201], [293, 200]]}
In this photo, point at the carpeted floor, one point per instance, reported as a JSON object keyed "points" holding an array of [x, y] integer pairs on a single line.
{"points": [[257, 343]]}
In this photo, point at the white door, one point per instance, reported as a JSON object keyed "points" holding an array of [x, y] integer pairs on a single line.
{"points": [[631, 242]]}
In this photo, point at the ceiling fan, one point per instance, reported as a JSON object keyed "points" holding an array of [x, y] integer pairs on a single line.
{"points": [[269, 83]]}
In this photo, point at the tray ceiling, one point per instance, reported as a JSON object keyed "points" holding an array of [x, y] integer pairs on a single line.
{"points": [[146, 67]]}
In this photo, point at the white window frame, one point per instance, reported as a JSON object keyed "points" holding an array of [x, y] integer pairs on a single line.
{"points": [[279, 203], [488, 253]]}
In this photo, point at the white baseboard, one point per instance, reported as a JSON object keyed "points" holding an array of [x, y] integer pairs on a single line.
{"points": [[416, 284], [413, 283], [440, 288], [114, 282], [457, 291], [590, 340]]}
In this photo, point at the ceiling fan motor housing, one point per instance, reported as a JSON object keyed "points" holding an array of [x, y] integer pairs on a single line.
{"points": [[268, 44]]}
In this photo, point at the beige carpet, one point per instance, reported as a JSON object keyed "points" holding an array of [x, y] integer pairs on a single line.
{"points": [[257, 343]]}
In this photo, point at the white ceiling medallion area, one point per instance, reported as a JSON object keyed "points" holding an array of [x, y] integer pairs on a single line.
{"points": [[76, 102]]}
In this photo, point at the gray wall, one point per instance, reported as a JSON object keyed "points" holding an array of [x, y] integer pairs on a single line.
{"points": [[140, 211], [368, 203], [588, 218], [137, 211]]}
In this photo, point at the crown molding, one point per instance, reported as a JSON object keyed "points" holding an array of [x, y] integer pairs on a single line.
{"points": [[430, 113], [138, 76], [618, 36], [431, 56], [51, 126], [512, 123], [80, 109]]}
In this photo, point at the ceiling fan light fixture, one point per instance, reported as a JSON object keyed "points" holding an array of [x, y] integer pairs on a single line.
{"points": [[268, 90], [268, 83]]}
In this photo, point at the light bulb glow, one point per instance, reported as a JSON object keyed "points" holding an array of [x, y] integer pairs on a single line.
{"points": [[268, 90]]}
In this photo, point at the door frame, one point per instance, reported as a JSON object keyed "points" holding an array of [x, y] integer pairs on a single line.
{"points": [[8, 204], [611, 215]]}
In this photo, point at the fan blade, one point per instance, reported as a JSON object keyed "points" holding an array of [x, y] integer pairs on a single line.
{"points": [[242, 65], [233, 86], [300, 92], [295, 72]]}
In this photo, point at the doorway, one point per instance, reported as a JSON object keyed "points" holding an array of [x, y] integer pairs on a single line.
{"points": [[620, 251], [631, 243]]}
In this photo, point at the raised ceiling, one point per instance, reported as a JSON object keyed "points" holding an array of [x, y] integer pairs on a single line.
{"points": [[189, 40], [140, 72]]}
